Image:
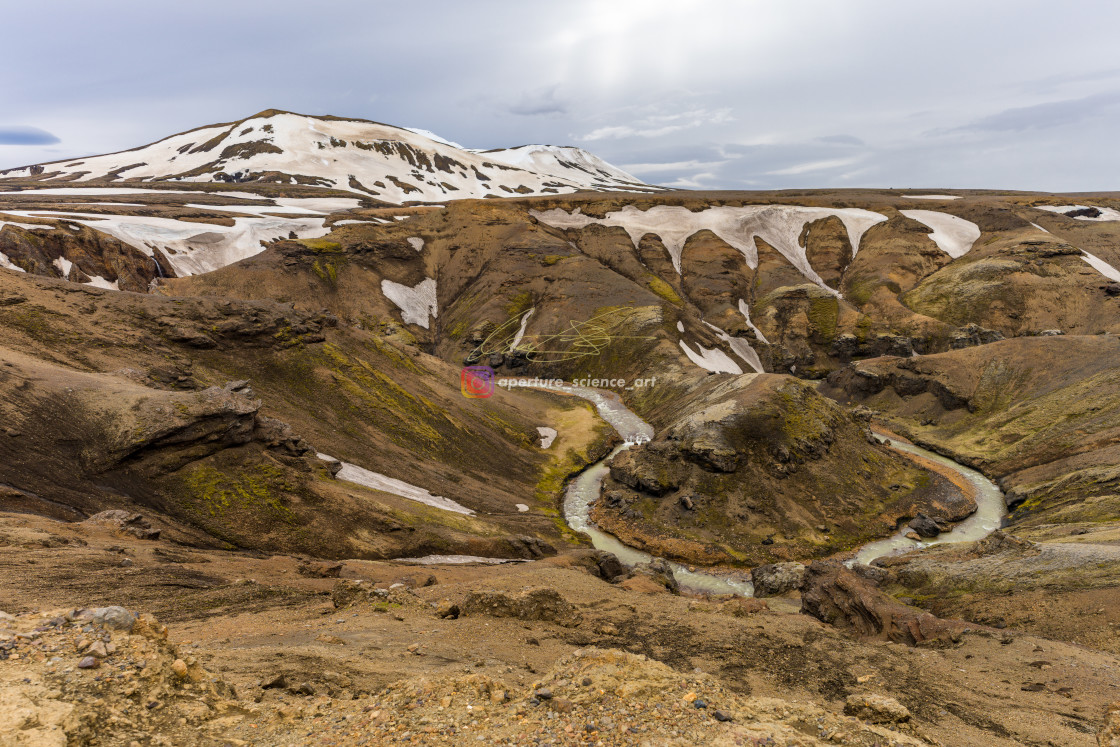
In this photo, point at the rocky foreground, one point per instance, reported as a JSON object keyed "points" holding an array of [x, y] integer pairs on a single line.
{"points": [[282, 650]]}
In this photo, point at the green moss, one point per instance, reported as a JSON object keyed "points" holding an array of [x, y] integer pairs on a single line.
{"points": [[550, 259], [412, 416], [458, 329], [824, 316], [519, 304], [664, 290], [259, 489], [863, 327], [322, 246], [327, 270]]}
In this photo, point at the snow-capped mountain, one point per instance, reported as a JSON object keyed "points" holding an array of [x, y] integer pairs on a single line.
{"points": [[390, 163]]}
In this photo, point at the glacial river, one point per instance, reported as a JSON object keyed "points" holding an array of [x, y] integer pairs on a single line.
{"points": [[584, 490]]}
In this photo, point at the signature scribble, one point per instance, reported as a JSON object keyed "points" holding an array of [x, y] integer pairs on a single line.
{"points": [[578, 340]]}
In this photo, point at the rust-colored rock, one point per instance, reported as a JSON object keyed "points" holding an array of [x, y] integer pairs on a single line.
{"points": [[836, 595]]}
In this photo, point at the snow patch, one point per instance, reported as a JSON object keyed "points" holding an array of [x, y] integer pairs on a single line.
{"points": [[7, 263], [714, 360], [780, 226], [193, 248], [24, 225], [953, 235], [460, 559], [377, 481], [548, 435], [63, 266], [739, 347], [415, 303], [521, 332], [432, 136], [1107, 214], [99, 282], [416, 243], [1101, 266], [746, 312]]}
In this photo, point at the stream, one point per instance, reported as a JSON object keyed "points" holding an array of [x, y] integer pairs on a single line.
{"points": [[584, 490]]}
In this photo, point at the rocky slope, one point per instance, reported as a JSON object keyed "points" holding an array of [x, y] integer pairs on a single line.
{"points": [[144, 403], [762, 468], [174, 435], [273, 650], [1038, 413]]}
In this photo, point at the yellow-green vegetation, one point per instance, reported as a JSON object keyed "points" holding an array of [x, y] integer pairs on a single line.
{"points": [[582, 439], [257, 489], [664, 290], [458, 329], [519, 304], [365, 384], [824, 315], [327, 270], [395, 355], [549, 260], [806, 416], [863, 327], [965, 291], [43, 324], [322, 246]]}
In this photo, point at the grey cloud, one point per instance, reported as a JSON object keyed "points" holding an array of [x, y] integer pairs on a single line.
{"points": [[26, 136], [841, 140], [1042, 116], [804, 92], [539, 103]]}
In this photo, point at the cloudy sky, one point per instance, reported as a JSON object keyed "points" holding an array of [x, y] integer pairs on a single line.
{"points": [[696, 94]]}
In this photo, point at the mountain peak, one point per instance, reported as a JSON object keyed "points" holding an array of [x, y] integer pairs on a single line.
{"points": [[393, 164]]}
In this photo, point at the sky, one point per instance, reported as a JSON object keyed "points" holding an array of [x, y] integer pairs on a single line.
{"points": [[697, 94]]}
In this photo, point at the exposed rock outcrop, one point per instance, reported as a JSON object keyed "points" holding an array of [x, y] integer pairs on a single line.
{"points": [[777, 578], [836, 595], [752, 467], [534, 604]]}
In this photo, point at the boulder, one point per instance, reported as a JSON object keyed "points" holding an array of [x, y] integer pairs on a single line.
{"points": [[876, 709], [924, 526], [1109, 735], [999, 542], [838, 596], [743, 606], [111, 618], [659, 572], [609, 566], [535, 604], [125, 521], [347, 592], [777, 578], [319, 569], [644, 475]]}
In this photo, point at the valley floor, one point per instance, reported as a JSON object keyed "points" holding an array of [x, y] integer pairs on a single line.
{"points": [[541, 652]]}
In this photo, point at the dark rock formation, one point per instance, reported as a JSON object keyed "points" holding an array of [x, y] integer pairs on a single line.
{"points": [[777, 578], [836, 595]]}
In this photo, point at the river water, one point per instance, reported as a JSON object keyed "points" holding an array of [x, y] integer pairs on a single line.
{"points": [[584, 490], [990, 510]]}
